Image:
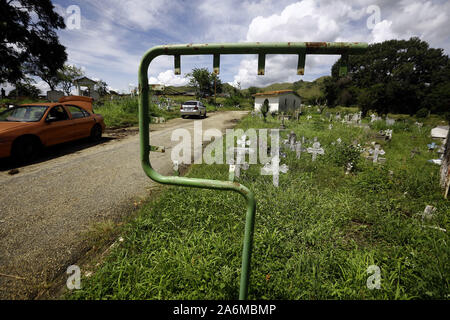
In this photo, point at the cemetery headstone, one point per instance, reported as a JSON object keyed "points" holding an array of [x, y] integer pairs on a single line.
{"points": [[315, 150], [273, 168], [376, 152], [428, 212], [241, 151], [390, 122]]}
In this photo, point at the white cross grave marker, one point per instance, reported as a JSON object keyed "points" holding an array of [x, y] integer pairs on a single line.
{"points": [[273, 168], [315, 150], [241, 150], [376, 152]]}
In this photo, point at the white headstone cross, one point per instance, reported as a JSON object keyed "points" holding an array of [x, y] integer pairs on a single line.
{"points": [[388, 133], [315, 150], [241, 151], [376, 152], [273, 168]]}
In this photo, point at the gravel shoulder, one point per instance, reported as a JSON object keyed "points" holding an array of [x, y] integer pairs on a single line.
{"points": [[47, 207]]}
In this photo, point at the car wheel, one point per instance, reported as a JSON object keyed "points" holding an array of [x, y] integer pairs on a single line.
{"points": [[96, 133], [204, 115], [25, 150], [184, 117]]}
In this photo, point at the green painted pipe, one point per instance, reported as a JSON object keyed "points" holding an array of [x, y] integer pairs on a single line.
{"points": [[299, 48]]}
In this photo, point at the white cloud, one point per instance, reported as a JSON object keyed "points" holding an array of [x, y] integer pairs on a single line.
{"points": [[114, 36], [138, 14], [309, 20], [302, 21], [168, 78]]}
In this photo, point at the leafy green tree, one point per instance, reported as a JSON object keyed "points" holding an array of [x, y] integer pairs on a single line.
{"points": [[203, 82], [265, 109], [402, 76], [102, 88], [29, 43], [24, 89], [67, 75], [252, 90]]}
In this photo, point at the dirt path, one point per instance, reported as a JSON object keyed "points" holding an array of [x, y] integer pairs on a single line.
{"points": [[46, 208]]}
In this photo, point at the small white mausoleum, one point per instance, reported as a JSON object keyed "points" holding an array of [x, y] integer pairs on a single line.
{"points": [[279, 101]]}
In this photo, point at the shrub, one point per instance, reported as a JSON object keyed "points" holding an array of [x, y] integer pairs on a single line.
{"points": [[422, 113], [343, 154]]}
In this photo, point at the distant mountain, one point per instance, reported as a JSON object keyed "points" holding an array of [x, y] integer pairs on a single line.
{"points": [[305, 89]]}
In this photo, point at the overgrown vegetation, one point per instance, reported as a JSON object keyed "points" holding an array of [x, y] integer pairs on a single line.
{"points": [[124, 112], [396, 76], [315, 235]]}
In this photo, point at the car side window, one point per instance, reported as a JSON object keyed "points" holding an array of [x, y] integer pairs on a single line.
{"points": [[77, 112], [58, 113]]}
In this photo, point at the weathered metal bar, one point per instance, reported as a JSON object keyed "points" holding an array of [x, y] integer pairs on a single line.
{"points": [[216, 63], [301, 64], [261, 63], [177, 64], [222, 48]]}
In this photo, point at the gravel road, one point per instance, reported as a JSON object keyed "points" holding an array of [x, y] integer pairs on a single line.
{"points": [[46, 208]]}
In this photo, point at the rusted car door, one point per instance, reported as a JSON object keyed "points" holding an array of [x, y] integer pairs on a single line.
{"points": [[57, 127], [82, 121]]}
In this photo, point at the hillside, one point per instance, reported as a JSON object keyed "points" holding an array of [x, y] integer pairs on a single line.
{"points": [[306, 89]]}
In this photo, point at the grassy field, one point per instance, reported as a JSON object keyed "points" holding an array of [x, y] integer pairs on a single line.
{"points": [[124, 112], [315, 235]]}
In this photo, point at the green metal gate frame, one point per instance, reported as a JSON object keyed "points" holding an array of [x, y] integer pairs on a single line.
{"points": [[261, 49]]}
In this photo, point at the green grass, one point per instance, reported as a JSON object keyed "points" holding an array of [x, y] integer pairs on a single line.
{"points": [[124, 112], [315, 235]]}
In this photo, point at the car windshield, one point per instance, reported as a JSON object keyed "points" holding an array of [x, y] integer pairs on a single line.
{"points": [[23, 114], [190, 103]]}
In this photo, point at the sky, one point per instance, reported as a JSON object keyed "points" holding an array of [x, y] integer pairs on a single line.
{"points": [[107, 38]]}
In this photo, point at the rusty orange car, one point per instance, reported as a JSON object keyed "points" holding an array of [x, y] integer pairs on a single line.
{"points": [[25, 129]]}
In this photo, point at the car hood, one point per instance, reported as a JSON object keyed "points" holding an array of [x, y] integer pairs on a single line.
{"points": [[6, 126]]}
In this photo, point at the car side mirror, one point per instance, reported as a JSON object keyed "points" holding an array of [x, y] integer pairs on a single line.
{"points": [[51, 119]]}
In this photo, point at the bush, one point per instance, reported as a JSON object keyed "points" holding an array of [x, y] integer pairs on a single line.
{"points": [[447, 116], [422, 113], [343, 154]]}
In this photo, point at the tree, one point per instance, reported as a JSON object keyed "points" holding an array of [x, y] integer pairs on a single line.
{"points": [[402, 76], [67, 75], [29, 43], [252, 90], [203, 82], [24, 89], [265, 109], [102, 88]]}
